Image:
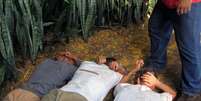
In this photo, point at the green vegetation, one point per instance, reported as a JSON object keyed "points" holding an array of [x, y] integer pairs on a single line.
{"points": [[82, 16], [20, 30], [2, 73], [151, 4], [24, 22]]}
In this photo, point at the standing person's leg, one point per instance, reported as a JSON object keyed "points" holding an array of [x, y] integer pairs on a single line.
{"points": [[188, 37], [160, 30]]}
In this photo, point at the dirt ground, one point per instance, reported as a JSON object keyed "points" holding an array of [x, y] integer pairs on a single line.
{"points": [[127, 44]]}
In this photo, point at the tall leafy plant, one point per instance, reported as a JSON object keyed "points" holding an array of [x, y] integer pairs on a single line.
{"points": [[2, 73], [86, 10], [151, 4], [29, 28], [21, 30], [21, 21], [79, 14], [84, 14], [6, 44]]}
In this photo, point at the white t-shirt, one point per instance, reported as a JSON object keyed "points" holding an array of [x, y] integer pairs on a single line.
{"points": [[129, 92], [93, 81]]}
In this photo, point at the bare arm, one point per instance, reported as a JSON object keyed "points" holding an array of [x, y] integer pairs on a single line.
{"points": [[136, 67], [166, 88], [127, 77], [150, 80]]}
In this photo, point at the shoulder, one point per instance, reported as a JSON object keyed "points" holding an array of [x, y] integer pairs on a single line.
{"points": [[51, 63], [91, 65], [120, 87], [123, 85]]}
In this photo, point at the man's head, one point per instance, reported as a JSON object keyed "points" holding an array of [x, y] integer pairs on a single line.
{"points": [[112, 63], [138, 79]]}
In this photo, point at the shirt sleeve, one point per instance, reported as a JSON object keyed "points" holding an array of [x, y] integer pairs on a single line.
{"points": [[166, 96]]}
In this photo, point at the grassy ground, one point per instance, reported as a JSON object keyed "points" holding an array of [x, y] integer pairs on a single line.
{"points": [[126, 44]]}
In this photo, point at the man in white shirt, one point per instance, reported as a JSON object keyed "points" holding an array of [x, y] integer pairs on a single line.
{"points": [[91, 82], [144, 89]]}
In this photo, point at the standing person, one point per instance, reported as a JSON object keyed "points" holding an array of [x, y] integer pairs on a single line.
{"points": [[50, 74], [184, 16]]}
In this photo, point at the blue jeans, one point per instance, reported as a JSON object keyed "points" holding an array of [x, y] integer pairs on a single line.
{"points": [[187, 29]]}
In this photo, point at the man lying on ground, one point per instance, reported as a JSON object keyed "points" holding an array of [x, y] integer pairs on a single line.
{"points": [[50, 74], [91, 82], [144, 89]]}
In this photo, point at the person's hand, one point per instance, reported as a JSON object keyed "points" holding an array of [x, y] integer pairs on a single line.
{"points": [[66, 56], [60, 56], [70, 55], [138, 64], [101, 60], [150, 80], [184, 6]]}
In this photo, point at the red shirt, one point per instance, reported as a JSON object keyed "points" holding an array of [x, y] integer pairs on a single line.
{"points": [[173, 3], [196, 1]]}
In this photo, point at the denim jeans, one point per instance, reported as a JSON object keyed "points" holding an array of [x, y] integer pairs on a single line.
{"points": [[187, 29]]}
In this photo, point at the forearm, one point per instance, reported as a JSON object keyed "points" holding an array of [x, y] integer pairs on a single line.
{"points": [[122, 70], [166, 88], [127, 77]]}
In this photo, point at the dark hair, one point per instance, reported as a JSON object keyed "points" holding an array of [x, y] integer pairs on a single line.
{"points": [[109, 60], [143, 71]]}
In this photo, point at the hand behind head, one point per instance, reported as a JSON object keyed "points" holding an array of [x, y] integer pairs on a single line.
{"points": [[149, 80], [65, 57]]}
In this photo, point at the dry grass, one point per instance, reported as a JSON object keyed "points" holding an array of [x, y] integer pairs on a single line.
{"points": [[126, 44]]}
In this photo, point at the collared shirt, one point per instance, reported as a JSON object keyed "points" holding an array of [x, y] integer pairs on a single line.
{"points": [[49, 75], [129, 92], [93, 81]]}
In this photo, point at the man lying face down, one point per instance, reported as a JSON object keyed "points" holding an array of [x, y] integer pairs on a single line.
{"points": [[143, 89], [91, 82], [50, 74]]}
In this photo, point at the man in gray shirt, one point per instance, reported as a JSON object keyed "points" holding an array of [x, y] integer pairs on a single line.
{"points": [[50, 74]]}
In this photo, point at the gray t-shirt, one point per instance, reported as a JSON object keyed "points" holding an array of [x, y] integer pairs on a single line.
{"points": [[50, 75]]}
